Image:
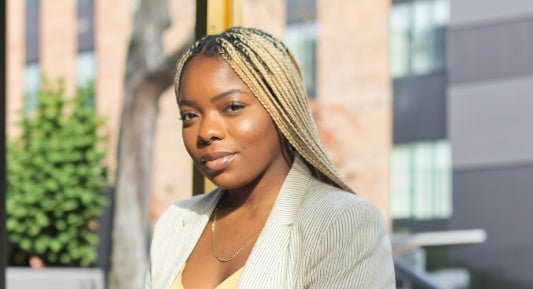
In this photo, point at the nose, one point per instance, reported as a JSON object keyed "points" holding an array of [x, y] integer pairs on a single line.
{"points": [[211, 129]]}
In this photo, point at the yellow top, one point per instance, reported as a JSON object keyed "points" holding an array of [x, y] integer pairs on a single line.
{"points": [[228, 283]]}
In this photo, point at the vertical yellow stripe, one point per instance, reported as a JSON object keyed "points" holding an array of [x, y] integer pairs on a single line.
{"points": [[218, 16]]}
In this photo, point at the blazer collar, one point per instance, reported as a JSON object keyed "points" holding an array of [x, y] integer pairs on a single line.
{"points": [[291, 193], [272, 245], [183, 234], [200, 211]]}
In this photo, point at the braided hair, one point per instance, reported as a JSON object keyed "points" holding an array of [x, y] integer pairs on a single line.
{"points": [[270, 71]]}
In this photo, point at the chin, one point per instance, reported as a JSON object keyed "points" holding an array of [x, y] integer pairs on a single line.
{"points": [[227, 181]]}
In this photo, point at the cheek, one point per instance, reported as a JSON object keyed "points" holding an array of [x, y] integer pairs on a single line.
{"points": [[258, 131], [247, 126], [189, 140]]}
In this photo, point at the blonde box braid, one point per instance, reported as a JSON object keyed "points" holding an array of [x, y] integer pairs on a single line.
{"points": [[269, 70]]}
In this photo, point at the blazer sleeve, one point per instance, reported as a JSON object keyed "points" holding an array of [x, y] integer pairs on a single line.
{"points": [[354, 252]]}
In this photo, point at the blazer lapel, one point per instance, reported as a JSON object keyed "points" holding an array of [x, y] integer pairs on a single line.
{"points": [[186, 231], [272, 246]]}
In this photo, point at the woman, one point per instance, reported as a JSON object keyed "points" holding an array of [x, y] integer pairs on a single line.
{"points": [[281, 216]]}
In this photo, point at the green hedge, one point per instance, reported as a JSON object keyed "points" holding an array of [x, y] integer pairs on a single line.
{"points": [[56, 181]]}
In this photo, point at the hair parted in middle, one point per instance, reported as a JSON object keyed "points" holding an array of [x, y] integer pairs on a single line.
{"points": [[271, 73]]}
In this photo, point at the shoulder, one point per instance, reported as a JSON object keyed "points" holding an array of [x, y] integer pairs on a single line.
{"points": [[328, 202], [345, 240], [326, 209], [179, 208]]}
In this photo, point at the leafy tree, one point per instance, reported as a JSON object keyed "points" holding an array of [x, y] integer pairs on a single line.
{"points": [[56, 181]]}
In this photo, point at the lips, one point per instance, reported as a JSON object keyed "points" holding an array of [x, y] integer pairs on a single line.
{"points": [[217, 161]]}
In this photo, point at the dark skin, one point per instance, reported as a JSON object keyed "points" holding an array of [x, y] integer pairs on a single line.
{"points": [[234, 142]]}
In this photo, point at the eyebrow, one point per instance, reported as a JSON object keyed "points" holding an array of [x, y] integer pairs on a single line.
{"points": [[214, 98]]}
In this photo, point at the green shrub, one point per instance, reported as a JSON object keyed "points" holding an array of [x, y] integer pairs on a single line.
{"points": [[56, 181]]}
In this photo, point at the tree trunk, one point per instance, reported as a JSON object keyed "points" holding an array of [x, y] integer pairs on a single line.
{"points": [[148, 75]]}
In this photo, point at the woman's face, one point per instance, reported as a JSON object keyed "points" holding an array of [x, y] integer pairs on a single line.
{"points": [[229, 135]]}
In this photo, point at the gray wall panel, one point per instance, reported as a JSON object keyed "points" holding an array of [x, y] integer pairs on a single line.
{"points": [[490, 127], [492, 51], [499, 201], [419, 108], [468, 12], [491, 123]]}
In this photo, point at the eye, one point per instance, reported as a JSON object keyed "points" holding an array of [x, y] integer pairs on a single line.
{"points": [[233, 107], [187, 116]]}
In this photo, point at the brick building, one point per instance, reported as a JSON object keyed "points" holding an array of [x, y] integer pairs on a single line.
{"points": [[344, 56]]}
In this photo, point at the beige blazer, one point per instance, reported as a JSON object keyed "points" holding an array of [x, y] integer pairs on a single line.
{"points": [[317, 236]]}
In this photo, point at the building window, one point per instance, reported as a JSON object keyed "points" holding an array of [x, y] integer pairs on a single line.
{"points": [[31, 36], [85, 68], [32, 81], [301, 36], [32, 72], [301, 40], [86, 59], [418, 36], [421, 181], [85, 16]]}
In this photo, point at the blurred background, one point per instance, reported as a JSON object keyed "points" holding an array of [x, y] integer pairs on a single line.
{"points": [[425, 106]]}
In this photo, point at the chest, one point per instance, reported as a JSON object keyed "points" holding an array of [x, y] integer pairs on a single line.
{"points": [[278, 258]]}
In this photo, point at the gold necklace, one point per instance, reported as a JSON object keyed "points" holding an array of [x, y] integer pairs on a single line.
{"points": [[214, 246]]}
